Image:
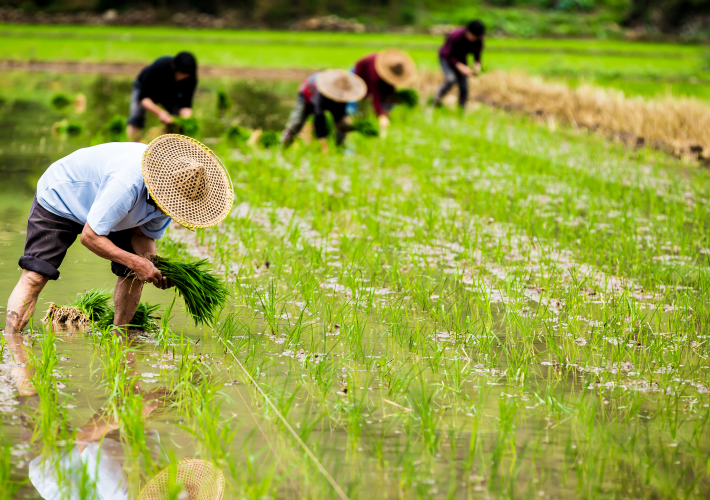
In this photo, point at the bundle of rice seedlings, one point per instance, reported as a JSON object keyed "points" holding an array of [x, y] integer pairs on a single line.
{"points": [[368, 128], [223, 100], [115, 129], [408, 97], [88, 307], [237, 133], [66, 127], [60, 101], [144, 319], [204, 293], [268, 139], [185, 126]]}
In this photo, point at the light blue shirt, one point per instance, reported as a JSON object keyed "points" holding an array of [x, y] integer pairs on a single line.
{"points": [[102, 185]]}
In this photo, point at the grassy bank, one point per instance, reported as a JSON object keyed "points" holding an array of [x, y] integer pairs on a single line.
{"points": [[645, 68]]}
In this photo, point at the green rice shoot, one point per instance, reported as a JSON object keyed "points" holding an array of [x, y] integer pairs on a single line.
{"points": [[408, 97], [268, 139], [185, 126], [144, 319], [93, 303], [366, 127], [88, 307]]}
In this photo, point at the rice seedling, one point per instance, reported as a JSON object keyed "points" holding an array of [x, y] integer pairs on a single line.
{"points": [[268, 139], [408, 97], [223, 100], [205, 294], [237, 134], [366, 127], [115, 129], [9, 485], [185, 126], [60, 101], [144, 319]]}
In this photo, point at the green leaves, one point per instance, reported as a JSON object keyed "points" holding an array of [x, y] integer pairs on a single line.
{"points": [[368, 128], [144, 319], [204, 293]]}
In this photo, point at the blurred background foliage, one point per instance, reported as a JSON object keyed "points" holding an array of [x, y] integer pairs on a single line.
{"points": [[688, 19]]}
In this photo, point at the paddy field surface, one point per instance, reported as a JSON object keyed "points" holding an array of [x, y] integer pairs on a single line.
{"points": [[474, 306]]}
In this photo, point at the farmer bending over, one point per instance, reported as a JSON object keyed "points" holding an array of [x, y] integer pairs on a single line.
{"points": [[170, 82], [453, 56], [383, 72], [119, 198], [326, 91]]}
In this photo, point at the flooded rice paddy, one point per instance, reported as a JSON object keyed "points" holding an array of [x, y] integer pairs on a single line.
{"points": [[473, 307]]}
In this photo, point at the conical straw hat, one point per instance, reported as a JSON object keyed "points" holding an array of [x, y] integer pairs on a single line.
{"points": [[200, 480], [187, 181], [340, 85], [395, 67]]}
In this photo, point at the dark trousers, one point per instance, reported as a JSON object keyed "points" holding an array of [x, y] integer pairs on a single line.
{"points": [[49, 236], [304, 109], [452, 76]]}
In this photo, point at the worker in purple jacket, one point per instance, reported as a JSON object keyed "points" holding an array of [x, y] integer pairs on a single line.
{"points": [[453, 56]]}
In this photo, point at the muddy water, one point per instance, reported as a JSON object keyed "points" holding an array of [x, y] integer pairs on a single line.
{"points": [[27, 148]]}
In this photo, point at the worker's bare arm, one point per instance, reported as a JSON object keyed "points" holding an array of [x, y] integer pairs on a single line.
{"points": [[145, 245], [103, 247], [162, 115], [185, 112], [464, 69]]}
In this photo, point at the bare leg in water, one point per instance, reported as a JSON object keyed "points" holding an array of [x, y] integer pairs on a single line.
{"points": [[20, 307], [126, 297]]}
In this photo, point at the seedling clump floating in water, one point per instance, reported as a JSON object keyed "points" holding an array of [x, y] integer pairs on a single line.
{"points": [[93, 307], [88, 307]]}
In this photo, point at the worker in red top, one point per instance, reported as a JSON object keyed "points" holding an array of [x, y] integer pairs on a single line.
{"points": [[383, 72], [329, 91], [453, 56]]}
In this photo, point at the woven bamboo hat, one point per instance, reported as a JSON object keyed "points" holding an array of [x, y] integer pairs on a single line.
{"points": [[200, 480], [340, 85], [395, 67], [187, 181]]}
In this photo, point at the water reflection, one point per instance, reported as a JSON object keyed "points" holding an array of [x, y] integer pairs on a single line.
{"points": [[102, 461]]}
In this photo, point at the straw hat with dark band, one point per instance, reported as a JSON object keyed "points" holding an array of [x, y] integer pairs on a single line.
{"points": [[395, 67], [187, 181], [340, 85], [200, 480]]}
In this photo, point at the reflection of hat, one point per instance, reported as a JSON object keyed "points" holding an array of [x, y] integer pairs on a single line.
{"points": [[187, 181], [395, 67], [340, 85], [200, 480]]}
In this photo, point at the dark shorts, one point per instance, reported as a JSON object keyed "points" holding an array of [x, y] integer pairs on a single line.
{"points": [[49, 236]]}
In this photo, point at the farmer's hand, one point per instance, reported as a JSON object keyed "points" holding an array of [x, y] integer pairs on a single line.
{"points": [[463, 69], [477, 68], [165, 117], [384, 123], [148, 273]]}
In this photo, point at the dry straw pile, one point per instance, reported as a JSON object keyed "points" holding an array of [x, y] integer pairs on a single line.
{"points": [[678, 125]]}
